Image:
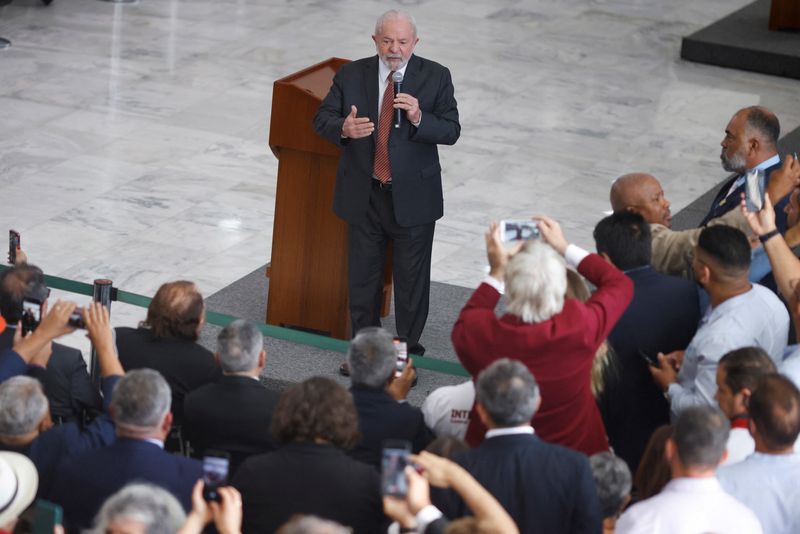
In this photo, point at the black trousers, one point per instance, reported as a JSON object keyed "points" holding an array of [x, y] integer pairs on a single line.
{"points": [[411, 266]]}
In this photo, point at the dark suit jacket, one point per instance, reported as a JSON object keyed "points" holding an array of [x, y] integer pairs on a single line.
{"points": [[307, 478], [662, 317], [66, 382], [233, 415], [413, 154], [380, 417], [546, 489], [185, 365], [49, 448], [722, 204], [84, 482]]}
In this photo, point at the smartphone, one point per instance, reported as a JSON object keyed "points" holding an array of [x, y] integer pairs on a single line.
{"points": [[46, 516], [394, 459], [754, 190], [652, 362], [401, 348], [215, 473], [519, 230], [31, 314], [14, 242], [76, 318]]}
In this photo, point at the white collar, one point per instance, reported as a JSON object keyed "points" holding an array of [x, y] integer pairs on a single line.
{"points": [[510, 431]]}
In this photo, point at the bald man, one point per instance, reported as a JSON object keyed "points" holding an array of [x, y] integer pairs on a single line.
{"points": [[672, 249]]}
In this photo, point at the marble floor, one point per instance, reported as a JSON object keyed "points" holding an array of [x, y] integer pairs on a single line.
{"points": [[133, 137]]}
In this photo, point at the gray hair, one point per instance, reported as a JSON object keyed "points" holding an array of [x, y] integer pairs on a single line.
{"points": [[372, 357], [311, 524], [700, 434], [509, 393], [141, 399], [239, 345], [536, 280], [156, 509], [23, 405], [394, 14], [613, 481]]}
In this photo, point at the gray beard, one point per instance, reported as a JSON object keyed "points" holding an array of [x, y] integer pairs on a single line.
{"points": [[735, 163]]}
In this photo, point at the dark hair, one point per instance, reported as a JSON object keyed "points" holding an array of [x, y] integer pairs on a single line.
{"points": [[317, 408], [17, 283], [447, 446], [775, 410], [175, 311], [700, 434], [765, 122], [625, 237], [654, 471], [745, 367], [727, 246]]}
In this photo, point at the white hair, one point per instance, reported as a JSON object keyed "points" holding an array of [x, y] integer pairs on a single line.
{"points": [[536, 280], [394, 14]]}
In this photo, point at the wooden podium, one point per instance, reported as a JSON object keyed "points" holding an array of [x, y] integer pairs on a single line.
{"points": [[784, 15], [308, 271]]}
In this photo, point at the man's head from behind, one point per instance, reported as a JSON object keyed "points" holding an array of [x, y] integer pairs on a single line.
{"points": [[395, 38], [641, 193], [775, 414], [240, 348], [722, 256], [738, 373], [507, 394], [176, 311], [751, 137], [624, 239], [140, 405], [16, 284], [698, 441], [23, 410], [372, 357], [536, 281]]}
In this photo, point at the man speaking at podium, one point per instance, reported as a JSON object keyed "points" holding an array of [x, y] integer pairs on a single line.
{"points": [[388, 113]]}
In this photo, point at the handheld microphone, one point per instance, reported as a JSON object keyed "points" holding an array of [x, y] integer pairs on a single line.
{"points": [[397, 79]]}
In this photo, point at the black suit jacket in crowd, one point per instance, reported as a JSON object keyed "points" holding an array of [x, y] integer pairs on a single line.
{"points": [[662, 317], [66, 382], [233, 415], [184, 364], [309, 478], [380, 417], [545, 488], [413, 153]]}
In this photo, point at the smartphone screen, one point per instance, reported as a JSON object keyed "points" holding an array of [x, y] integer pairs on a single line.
{"points": [[754, 190], [394, 460], [520, 230], [14, 242], [401, 348], [215, 474], [31, 315]]}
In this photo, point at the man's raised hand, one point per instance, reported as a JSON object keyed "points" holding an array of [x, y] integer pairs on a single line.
{"points": [[357, 127]]}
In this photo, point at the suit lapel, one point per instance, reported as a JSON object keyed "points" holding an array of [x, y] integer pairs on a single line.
{"points": [[411, 78], [371, 88]]}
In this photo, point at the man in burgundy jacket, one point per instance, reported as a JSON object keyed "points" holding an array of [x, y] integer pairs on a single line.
{"points": [[556, 338]]}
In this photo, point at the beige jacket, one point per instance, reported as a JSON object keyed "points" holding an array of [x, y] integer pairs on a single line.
{"points": [[673, 249]]}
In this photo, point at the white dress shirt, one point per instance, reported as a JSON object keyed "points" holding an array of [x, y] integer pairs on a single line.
{"points": [[689, 506], [769, 484], [755, 318], [447, 409]]}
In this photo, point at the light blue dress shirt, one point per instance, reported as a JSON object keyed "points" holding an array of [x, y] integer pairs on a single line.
{"points": [[768, 485]]}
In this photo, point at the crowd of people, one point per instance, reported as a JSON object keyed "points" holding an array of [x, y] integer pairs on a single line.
{"points": [[665, 399]]}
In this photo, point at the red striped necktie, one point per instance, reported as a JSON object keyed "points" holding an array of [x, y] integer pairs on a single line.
{"points": [[382, 169]]}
